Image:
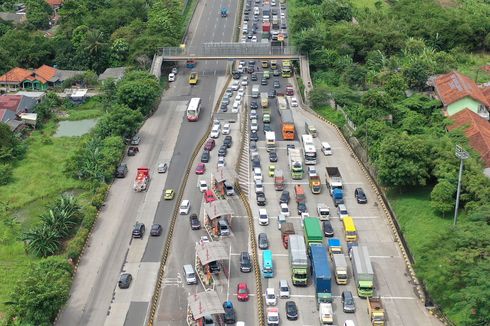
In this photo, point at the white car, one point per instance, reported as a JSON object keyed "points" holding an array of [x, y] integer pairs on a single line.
{"points": [[283, 289], [270, 297], [294, 102], [215, 132], [185, 207], [240, 68], [221, 161], [216, 122], [171, 77], [273, 3], [253, 114], [259, 186], [245, 81], [342, 210], [283, 15], [243, 40], [254, 125], [258, 174], [284, 209], [238, 98], [203, 185], [226, 129], [254, 38], [241, 91], [175, 70], [235, 85], [263, 217], [204, 239]]}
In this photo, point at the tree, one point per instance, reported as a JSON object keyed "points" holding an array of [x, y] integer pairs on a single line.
{"points": [[119, 52], [138, 94], [442, 197], [337, 10], [417, 73], [10, 147], [319, 96], [120, 121], [38, 13]]}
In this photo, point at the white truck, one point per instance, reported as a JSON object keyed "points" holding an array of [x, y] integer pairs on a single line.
{"points": [[255, 91], [323, 211], [270, 140], [325, 312], [340, 269]]}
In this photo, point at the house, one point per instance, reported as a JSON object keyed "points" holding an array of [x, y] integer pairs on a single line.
{"points": [[113, 73], [37, 79], [16, 18], [458, 92], [55, 4], [476, 129], [17, 103]]}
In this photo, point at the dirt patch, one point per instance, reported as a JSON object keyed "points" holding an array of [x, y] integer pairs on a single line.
{"points": [[447, 3]]}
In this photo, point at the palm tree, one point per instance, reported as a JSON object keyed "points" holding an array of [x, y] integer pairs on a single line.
{"points": [[42, 241], [95, 42]]}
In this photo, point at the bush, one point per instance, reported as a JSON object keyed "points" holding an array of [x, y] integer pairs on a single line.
{"points": [[90, 215], [99, 196], [5, 174], [76, 245]]}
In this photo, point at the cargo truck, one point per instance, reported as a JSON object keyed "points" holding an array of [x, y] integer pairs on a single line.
{"points": [[255, 91], [340, 269], [376, 311], [334, 246], [362, 271], [281, 101], [334, 184], [325, 312], [286, 230], [313, 231], [142, 179], [279, 180], [322, 277], [286, 69], [295, 163], [266, 28], [270, 140], [298, 260], [264, 100], [287, 121]]}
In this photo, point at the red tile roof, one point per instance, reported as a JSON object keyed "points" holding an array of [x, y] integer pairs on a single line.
{"points": [[486, 93], [53, 3], [455, 86], [45, 73], [10, 102], [15, 75], [476, 129]]}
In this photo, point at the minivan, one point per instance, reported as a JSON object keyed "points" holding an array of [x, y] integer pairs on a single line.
{"points": [[263, 217], [185, 206], [258, 174], [230, 191], [190, 274], [283, 289], [224, 228], [245, 262], [326, 149]]}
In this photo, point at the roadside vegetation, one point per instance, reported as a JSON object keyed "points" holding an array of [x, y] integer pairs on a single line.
{"points": [[373, 58]]}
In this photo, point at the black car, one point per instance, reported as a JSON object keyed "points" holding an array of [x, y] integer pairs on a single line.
{"points": [[223, 107], [261, 200], [236, 74], [348, 303], [253, 77], [277, 84], [121, 171], [230, 316], [263, 81], [156, 230], [267, 127], [214, 267], [290, 146], [283, 26], [274, 12], [246, 18], [327, 229], [227, 141], [263, 241], [250, 35], [245, 262], [138, 230], [272, 157], [301, 208], [132, 150], [125, 280], [205, 156], [284, 197], [223, 150], [276, 73], [291, 310], [254, 105], [360, 196], [251, 63], [272, 93], [254, 136], [255, 162], [195, 223], [250, 70]]}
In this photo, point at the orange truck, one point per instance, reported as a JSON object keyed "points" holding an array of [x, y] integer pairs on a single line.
{"points": [[142, 179], [287, 122]]}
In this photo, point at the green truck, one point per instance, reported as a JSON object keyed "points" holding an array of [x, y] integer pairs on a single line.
{"points": [[313, 231]]}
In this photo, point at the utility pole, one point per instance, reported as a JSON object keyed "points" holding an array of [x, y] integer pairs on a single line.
{"points": [[462, 155]]}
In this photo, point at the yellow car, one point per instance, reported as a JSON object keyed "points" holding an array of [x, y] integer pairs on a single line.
{"points": [[193, 78], [272, 170], [169, 194]]}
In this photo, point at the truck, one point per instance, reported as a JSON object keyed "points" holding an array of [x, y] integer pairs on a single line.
{"points": [[315, 183], [376, 312], [281, 101], [334, 184], [323, 211], [279, 180], [286, 69], [362, 271], [298, 260], [275, 22], [334, 246], [313, 231], [295, 163], [340, 268], [255, 91], [287, 121], [264, 99], [266, 27], [272, 316], [286, 230], [142, 179], [266, 113], [325, 312], [270, 140], [337, 196], [322, 277]]}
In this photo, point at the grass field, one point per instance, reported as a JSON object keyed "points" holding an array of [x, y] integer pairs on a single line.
{"points": [[331, 115]]}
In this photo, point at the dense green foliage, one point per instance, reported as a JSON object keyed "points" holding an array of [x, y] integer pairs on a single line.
{"points": [[366, 59]]}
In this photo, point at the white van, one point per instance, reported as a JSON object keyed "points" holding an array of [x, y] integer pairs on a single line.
{"points": [[263, 217], [326, 149], [283, 289], [258, 174], [190, 274], [185, 207]]}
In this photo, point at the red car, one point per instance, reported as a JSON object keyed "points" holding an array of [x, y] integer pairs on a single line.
{"points": [[209, 145], [289, 90], [201, 168], [209, 196], [242, 291]]}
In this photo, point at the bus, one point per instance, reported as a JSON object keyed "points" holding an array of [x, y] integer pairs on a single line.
{"points": [[267, 265], [193, 109], [286, 70], [309, 149], [349, 229]]}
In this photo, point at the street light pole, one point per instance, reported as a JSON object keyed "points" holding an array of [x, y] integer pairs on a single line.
{"points": [[462, 155]]}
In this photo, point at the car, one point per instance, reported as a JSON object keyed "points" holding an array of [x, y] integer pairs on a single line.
{"points": [[246, 18], [250, 69], [229, 92], [221, 161], [360, 196], [125, 280], [254, 136], [251, 62], [254, 39], [290, 146], [253, 146], [245, 262], [283, 289], [156, 230], [284, 209], [185, 207], [225, 101], [171, 77], [253, 77], [283, 15], [294, 102], [244, 81], [226, 129], [259, 187], [216, 122], [223, 107], [200, 168], [193, 78], [162, 167], [169, 194], [263, 82], [214, 267], [138, 230], [263, 217], [175, 70], [136, 140], [348, 303], [230, 316], [194, 221], [122, 170], [258, 174], [215, 131], [301, 208], [256, 163], [267, 127], [238, 98], [342, 211], [291, 310], [203, 185], [283, 26], [323, 211], [272, 93], [133, 150], [272, 170], [223, 150], [242, 291], [235, 85], [210, 143], [276, 84], [276, 73], [254, 105], [327, 229], [205, 156], [253, 114], [261, 200], [254, 125], [263, 241], [285, 197], [228, 141], [270, 297], [203, 239], [272, 157]]}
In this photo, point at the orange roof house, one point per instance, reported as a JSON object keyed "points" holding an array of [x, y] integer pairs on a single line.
{"points": [[458, 92], [55, 3], [476, 129]]}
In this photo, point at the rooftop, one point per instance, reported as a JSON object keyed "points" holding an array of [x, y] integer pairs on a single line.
{"points": [[454, 86]]}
